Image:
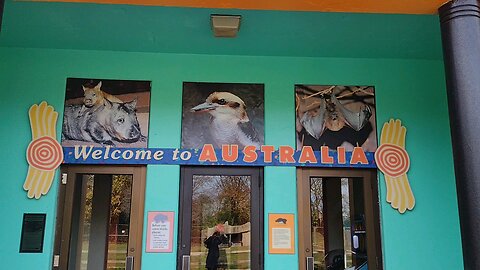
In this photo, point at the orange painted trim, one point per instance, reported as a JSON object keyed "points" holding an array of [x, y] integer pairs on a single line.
{"points": [[356, 6]]}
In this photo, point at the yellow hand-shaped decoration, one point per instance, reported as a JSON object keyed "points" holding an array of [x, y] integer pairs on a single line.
{"points": [[393, 160], [44, 153]]}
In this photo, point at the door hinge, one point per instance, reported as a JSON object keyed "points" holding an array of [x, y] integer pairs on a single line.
{"points": [[56, 260], [129, 263], [64, 178]]}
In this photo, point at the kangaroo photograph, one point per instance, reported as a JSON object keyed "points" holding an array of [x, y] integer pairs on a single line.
{"points": [[106, 113]]}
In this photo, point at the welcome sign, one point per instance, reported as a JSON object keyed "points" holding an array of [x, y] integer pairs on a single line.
{"points": [[44, 155], [106, 122], [266, 155]]}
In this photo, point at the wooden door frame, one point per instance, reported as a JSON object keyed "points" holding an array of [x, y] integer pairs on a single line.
{"points": [[304, 215], [256, 212], [65, 208]]}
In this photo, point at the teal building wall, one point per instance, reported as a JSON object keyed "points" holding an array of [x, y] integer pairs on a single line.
{"points": [[409, 89]]}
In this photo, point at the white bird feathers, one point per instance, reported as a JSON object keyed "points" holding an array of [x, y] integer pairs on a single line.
{"points": [[230, 123]]}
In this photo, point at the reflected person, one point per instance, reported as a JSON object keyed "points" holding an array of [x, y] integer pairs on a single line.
{"points": [[212, 244]]}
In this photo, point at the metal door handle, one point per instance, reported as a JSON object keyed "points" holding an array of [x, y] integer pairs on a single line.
{"points": [[129, 263], [186, 262], [310, 263]]}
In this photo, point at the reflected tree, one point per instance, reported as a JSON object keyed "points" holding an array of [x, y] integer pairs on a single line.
{"points": [[120, 197], [217, 199], [234, 195], [316, 202]]}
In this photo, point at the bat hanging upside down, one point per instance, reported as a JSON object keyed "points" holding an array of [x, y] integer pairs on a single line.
{"points": [[332, 124]]}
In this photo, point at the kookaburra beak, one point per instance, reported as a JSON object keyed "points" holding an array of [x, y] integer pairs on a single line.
{"points": [[204, 107]]}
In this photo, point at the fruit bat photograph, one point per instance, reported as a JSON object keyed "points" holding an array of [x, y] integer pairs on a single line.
{"points": [[222, 113], [106, 113], [335, 116]]}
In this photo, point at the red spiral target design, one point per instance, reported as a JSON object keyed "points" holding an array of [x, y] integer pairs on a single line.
{"points": [[392, 160], [44, 153]]}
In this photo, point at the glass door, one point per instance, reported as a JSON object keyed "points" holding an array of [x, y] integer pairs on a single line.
{"points": [[339, 222], [102, 217], [221, 218]]}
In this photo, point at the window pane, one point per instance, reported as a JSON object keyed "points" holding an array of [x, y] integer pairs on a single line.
{"points": [[118, 227], [100, 232], [347, 232], [220, 204], [338, 228], [87, 190], [316, 210]]}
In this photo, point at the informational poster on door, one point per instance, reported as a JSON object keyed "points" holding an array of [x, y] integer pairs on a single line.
{"points": [[281, 233], [160, 232]]}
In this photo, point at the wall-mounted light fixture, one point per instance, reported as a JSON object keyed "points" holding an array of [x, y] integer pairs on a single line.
{"points": [[225, 25]]}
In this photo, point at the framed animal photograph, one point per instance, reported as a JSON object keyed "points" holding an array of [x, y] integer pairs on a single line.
{"points": [[333, 116], [106, 113], [222, 113]]}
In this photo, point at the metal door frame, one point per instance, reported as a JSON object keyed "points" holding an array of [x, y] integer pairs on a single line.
{"points": [[65, 206], [256, 209], [372, 210]]}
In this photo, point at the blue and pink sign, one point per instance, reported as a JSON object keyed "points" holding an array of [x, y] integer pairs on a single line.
{"points": [[266, 155]]}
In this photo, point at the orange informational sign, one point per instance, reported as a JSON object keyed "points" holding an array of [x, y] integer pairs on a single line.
{"points": [[281, 233]]}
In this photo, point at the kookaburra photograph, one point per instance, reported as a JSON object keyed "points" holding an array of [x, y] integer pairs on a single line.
{"points": [[333, 116], [222, 113]]}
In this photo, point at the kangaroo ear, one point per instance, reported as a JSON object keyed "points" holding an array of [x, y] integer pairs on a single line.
{"points": [[131, 105], [84, 88], [99, 85]]}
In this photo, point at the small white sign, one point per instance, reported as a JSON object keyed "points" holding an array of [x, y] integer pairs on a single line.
{"points": [[160, 235], [281, 238], [160, 232]]}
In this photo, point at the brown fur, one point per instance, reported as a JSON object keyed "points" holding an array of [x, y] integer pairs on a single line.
{"points": [[94, 97]]}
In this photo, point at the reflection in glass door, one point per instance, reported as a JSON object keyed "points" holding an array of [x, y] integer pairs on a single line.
{"points": [[340, 199], [220, 218], [340, 225], [100, 222], [220, 204]]}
